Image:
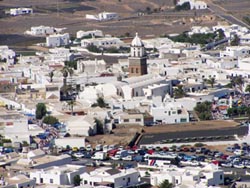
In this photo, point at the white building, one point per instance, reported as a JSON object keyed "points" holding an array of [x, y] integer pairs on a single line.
{"points": [[244, 64], [169, 112], [7, 54], [81, 125], [106, 42], [20, 11], [41, 30], [209, 175], [57, 175], [93, 33], [194, 4], [103, 16], [18, 181], [56, 40], [245, 39], [91, 66], [236, 51], [133, 87], [59, 55], [111, 177]]}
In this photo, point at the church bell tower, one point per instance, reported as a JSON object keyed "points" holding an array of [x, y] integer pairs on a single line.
{"points": [[138, 58]]}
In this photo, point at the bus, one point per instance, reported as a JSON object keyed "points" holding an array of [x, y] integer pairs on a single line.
{"points": [[161, 159]]}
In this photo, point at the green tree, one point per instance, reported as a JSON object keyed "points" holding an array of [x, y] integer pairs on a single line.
{"points": [[184, 6], [77, 180], [100, 102], [247, 89], [71, 64], [211, 81], [166, 184], [203, 110], [41, 110], [99, 126], [93, 48], [235, 41], [50, 120], [179, 92]]}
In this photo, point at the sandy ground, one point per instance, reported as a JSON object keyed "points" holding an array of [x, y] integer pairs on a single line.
{"points": [[124, 133]]}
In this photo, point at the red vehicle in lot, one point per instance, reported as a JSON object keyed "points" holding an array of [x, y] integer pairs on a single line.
{"points": [[224, 157], [112, 152]]}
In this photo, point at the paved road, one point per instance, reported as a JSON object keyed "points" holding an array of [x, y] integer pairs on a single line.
{"points": [[152, 138], [222, 13]]}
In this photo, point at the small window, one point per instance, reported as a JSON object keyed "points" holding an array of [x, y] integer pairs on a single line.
{"points": [[138, 120], [132, 70], [221, 176], [126, 120], [51, 181], [85, 182], [136, 70]]}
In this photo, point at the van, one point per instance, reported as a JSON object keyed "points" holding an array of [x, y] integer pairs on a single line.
{"points": [[98, 147], [100, 155]]}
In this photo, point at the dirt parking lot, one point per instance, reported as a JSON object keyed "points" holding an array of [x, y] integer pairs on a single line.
{"points": [[124, 133]]}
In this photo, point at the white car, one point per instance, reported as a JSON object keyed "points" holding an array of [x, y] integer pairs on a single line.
{"points": [[127, 158], [78, 155], [227, 165], [239, 165]]}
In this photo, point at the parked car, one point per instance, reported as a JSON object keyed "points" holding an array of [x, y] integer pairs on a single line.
{"points": [[230, 149]]}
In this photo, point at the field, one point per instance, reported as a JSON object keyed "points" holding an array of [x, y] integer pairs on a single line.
{"points": [[71, 15]]}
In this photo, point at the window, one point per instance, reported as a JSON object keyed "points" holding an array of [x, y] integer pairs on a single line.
{"points": [[51, 181], [85, 182], [41, 180], [137, 120], [132, 70], [128, 179], [221, 176], [126, 120], [136, 70]]}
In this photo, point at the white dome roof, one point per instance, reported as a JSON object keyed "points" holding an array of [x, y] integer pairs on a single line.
{"points": [[137, 41]]}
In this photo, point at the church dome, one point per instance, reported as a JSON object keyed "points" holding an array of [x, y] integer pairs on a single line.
{"points": [[137, 41]]}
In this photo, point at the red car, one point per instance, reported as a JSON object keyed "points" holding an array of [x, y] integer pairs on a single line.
{"points": [[224, 157]]}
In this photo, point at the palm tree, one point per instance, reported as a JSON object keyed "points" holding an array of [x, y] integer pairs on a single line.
{"points": [[51, 74], [66, 71], [247, 88], [179, 92], [211, 81], [166, 184], [71, 105], [237, 81]]}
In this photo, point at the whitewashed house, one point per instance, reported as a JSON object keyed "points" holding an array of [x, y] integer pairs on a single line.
{"points": [[103, 16], [56, 40], [194, 4], [111, 177], [91, 66], [244, 63], [106, 42], [169, 112], [20, 11], [57, 175], [7, 55], [81, 125], [93, 33], [18, 181], [209, 175], [41, 30], [59, 55], [235, 51], [245, 39]]}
